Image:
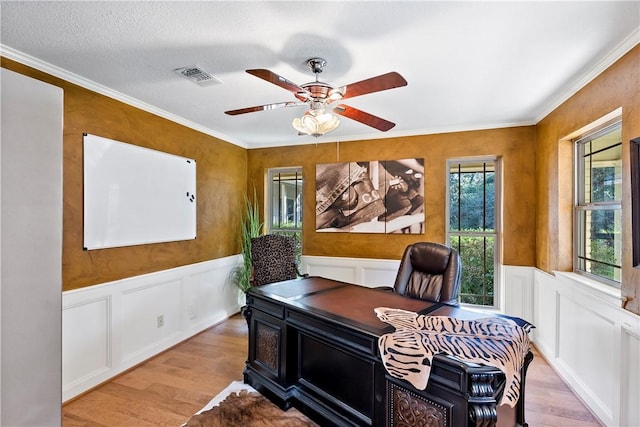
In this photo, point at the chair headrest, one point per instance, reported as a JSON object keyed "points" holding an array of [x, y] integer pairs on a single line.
{"points": [[432, 258]]}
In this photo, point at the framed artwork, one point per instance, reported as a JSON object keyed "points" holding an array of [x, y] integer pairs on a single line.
{"points": [[382, 196], [635, 200]]}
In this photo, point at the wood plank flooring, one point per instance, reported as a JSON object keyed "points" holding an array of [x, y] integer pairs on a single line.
{"points": [[169, 388]]}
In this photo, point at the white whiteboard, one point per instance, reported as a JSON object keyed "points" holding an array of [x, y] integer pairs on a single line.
{"points": [[134, 195]]}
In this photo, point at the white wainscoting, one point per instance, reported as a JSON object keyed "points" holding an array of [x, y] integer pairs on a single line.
{"points": [[108, 328], [516, 296], [591, 342], [581, 330], [361, 271]]}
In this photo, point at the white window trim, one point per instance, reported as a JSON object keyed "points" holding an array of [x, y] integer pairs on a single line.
{"points": [[497, 266], [609, 120]]}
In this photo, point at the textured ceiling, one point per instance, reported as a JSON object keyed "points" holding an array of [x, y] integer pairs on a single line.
{"points": [[469, 65]]}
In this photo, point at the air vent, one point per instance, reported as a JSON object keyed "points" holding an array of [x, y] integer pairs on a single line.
{"points": [[198, 76]]}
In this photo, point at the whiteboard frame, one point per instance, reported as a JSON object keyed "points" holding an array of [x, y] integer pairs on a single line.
{"points": [[135, 195]]}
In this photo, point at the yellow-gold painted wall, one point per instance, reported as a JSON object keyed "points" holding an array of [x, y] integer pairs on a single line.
{"points": [[515, 146], [618, 86], [221, 181]]}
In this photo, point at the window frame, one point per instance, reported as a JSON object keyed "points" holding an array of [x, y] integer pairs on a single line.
{"points": [[497, 221], [271, 172], [580, 206]]}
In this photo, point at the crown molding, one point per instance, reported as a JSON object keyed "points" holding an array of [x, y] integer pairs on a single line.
{"points": [[63, 74], [618, 52]]}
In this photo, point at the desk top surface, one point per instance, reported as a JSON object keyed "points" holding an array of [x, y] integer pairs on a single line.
{"points": [[351, 304]]}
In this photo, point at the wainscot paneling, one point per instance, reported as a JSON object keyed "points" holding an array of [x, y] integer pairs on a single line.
{"points": [[361, 271], [516, 294], [108, 328], [591, 342], [581, 330], [630, 373]]}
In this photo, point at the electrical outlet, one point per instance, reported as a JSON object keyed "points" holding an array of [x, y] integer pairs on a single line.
{"points": [[161, 321]]}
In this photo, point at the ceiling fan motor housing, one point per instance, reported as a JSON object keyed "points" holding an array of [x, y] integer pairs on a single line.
{"points": [[316, 65], [318, 90]]}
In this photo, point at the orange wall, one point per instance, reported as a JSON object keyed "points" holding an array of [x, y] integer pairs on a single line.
{"points": [[221, 182], [516, 147], [618, 86]]}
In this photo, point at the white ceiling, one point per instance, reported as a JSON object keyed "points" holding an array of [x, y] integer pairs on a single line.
{"points": [[469, 65]]}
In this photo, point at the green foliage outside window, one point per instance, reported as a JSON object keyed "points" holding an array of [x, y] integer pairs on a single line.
{"points": [[598, 209], [472, 200], [472, 228], [600, 254], [477, 253], [603, 251]]}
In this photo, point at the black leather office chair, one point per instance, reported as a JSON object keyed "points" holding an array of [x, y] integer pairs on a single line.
{"points": [[273, 259], [430, 271]]}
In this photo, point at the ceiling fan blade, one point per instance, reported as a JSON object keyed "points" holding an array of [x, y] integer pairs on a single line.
{"points": [[363, 117], [374, 84], [263, 108], [271, 77]]}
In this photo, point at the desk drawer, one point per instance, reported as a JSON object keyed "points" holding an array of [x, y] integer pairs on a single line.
{"points": [[267, 306], [338, 334]]}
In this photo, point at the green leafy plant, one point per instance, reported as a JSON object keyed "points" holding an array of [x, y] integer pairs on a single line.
{"points": [[250, 227]]}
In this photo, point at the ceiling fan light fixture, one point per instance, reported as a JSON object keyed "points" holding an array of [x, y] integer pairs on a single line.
{"points": [[316, 122], [335, 94]]}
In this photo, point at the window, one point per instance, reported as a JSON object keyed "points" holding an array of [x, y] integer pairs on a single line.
{"points": [[284, 195], [473, 227], [598, 207]]}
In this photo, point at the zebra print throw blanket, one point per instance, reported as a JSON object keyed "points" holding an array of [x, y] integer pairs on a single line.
{"points": [[494, 341]]}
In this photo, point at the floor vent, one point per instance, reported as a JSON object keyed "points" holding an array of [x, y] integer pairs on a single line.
{"points": [[198, 76]]}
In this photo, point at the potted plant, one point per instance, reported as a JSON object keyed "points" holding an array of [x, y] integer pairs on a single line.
{"points": [[250, 227]]}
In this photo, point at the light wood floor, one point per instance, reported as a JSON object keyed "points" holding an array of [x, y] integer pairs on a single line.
{"points": [[168, 389]]}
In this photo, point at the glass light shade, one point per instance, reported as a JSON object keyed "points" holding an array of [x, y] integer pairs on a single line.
{"points": [[316, 123], [336, 94]]}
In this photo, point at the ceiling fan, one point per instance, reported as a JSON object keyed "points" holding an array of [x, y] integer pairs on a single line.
{"points": [[320, 95]]}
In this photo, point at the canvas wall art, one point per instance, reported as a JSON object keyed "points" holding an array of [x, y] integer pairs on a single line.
{"points": [[370, 197]]}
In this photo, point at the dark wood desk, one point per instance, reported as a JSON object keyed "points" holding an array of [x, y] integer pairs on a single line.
{"points": [[313, 344]]}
